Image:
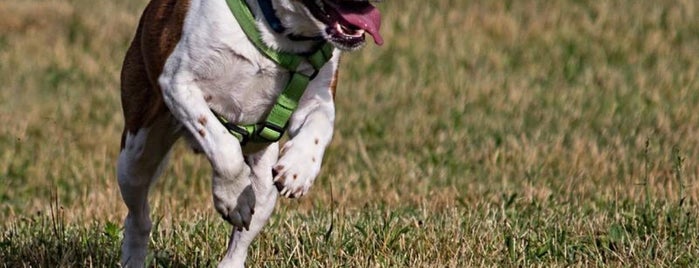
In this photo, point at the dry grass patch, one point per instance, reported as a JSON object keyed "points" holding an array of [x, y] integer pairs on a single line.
{"points": [[516, 133]]}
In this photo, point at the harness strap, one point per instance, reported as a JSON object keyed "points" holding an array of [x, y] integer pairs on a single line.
{"points": [[277, 120]]}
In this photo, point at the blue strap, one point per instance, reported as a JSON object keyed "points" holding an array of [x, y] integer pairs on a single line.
{"points": [[276, 24], [272, 19]]}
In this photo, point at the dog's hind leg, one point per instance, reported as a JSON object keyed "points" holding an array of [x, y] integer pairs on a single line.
{"points": [[265, 199], [142, 158]]}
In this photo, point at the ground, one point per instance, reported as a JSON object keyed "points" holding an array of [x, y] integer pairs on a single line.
{"points": [[483, 133]]}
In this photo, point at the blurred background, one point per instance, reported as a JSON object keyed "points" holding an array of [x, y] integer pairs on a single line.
{"points": [[481, 133]]}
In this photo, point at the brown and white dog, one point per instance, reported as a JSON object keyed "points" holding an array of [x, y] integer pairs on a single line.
{"points": [[190, 57]]}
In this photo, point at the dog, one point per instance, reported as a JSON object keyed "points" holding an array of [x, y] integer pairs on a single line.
{"points": [[193, 71]]}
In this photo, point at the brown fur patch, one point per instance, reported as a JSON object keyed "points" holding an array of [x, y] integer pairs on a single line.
{"points": [[202, 120], [333, 82], [159, 30]]}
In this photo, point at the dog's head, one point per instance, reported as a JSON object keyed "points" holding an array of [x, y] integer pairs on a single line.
{"points": [[341, 22]]}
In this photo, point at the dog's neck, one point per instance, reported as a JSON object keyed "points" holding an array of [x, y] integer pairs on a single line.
{"points": [[280, 40]]}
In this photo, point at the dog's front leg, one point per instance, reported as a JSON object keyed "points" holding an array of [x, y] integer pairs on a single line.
{"points": [[311, 130], [233, 194]]}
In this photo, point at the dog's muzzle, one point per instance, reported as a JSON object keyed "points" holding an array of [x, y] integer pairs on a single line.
{"points": [[347, 21]]}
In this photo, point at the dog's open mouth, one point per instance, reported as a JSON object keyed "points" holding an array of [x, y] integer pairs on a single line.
{"points": [[347, 21]]}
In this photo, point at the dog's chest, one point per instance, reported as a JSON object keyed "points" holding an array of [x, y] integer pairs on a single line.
{"points": [[240, 90], [236, 79]]}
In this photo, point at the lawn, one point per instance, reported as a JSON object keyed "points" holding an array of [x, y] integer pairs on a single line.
{"points": [[483, 133]]}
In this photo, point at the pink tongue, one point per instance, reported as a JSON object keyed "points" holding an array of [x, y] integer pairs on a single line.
{"points": [[363, 16]]}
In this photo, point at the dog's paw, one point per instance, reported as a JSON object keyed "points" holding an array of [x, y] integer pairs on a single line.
{"points": [[295, 171], [235, 203]]}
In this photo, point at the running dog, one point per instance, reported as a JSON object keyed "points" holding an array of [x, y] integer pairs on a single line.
{"points": [[197, 69]]}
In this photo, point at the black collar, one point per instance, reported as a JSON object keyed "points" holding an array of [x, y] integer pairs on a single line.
{"points": [[276, 24]]}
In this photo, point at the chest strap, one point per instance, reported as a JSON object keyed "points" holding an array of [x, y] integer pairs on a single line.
{"points": [[276, 123]]}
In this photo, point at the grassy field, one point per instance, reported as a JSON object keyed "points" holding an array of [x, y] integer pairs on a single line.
{"points": [[516, 133]]}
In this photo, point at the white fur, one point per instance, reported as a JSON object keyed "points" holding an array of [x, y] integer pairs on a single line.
{"points": [[140, 163], [215, 59]]}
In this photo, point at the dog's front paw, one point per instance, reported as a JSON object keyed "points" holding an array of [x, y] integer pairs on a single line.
{"points": [[235, 202], [295, 171]]}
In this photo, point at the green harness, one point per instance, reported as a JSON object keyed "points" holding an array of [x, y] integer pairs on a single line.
{"points": [[276, 123]]}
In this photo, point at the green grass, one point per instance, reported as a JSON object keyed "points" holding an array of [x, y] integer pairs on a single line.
{"points": [[516, 133]]}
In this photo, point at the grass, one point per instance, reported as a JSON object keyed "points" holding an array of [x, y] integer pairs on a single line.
{"points": [[516, 133]]}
